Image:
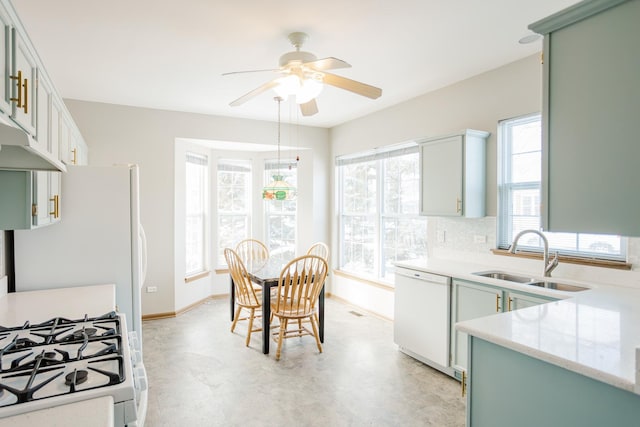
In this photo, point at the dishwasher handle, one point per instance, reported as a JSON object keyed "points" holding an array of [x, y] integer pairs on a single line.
{"points": [[424, 276]]}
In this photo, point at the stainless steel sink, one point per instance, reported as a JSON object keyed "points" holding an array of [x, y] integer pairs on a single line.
{"points": [[502, 275], [527, 280]]}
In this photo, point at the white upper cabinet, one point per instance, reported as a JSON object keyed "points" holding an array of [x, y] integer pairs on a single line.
{"points": [[5, 61], [453, 174], [23, 80], [591, 106], [28, 99]]}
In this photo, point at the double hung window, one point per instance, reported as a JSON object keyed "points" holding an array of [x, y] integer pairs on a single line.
{"points": [[196, 191], [378, 211], [280, 215], [519, 183], [234, 203]]}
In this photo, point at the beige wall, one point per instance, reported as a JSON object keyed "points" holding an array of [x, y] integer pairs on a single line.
{"points": [[121, 134], [476, 103]]}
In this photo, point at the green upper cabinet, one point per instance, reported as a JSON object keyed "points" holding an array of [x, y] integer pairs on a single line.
{"points": [[591, 107], [452, 177]]}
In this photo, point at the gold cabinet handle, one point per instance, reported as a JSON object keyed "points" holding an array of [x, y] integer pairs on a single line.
{"points": [[497, 303], [458, 205], [75, 156], [463, 384], [509, 303], [56, 206], [25, 104], [18, 100]]}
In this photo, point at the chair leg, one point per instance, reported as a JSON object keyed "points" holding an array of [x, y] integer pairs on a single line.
{"points": [[253, 310], [235, 318], [315, 333], [283, 328]]}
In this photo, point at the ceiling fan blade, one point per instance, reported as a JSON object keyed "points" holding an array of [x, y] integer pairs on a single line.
{"points": [[250, 71], [257, 91], [329, 63], [310, 108], [352, 86]]}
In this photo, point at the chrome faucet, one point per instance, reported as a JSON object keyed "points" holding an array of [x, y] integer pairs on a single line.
{"points": [[548, 265]]}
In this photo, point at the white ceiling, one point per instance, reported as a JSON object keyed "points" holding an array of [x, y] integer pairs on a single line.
{"points": [[171, 54]]}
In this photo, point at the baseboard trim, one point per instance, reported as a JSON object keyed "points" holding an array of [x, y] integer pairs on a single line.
{"points": [[170, 314]]}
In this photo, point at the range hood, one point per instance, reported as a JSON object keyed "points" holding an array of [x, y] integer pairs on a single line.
{"points": [[18, 151]]}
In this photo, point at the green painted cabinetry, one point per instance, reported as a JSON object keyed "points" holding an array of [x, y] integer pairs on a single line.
{"points": [[30, 199], [507, 388], [472, 300], [591, 105], [452, 175]]}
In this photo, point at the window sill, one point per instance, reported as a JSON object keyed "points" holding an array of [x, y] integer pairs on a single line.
{"points": [[593, 262], [371, 282], [196, 276]]}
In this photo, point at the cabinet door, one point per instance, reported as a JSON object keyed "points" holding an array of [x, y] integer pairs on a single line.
{"points": [[590, 117], [5, 62], [517, 300], [44, 118], [46, 198], [441, 168], [470, 301], [65, 141], [24, 66]]}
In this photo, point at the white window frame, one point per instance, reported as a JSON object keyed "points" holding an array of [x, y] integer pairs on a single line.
{"points": [[505, 229], [234, 165], [288, 168], [380, 270], [202, 212]]}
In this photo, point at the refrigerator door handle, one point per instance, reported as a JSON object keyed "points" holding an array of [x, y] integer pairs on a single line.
{"points": [[143, 239]]}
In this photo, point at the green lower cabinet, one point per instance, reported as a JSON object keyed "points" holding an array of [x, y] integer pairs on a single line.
{"points": [[471, 300], [506, 388]]}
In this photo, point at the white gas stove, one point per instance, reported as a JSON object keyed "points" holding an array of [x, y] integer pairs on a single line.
{"points": [[63, 361]]}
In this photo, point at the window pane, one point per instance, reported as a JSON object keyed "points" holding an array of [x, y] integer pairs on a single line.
{"points": [[359, 187], [281, 218], [404, 239], [195, 212], [358, 244], [526, 167], [234, 203], [379, 228], [402, 184]]}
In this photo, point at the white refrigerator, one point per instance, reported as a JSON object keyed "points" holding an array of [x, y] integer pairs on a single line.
{"points": [[98, 240]]}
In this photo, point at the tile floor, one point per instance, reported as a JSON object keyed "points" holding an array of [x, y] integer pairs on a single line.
{"points": [[361, 379]]}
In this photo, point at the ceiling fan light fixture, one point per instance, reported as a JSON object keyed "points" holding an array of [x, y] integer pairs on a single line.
{"points": [[309, 89], [288, 85]]}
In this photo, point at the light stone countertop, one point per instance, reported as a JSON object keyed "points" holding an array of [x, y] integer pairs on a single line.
{"points": [[595, 333]]}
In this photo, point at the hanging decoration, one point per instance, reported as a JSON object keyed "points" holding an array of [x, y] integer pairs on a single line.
{"points": [[278, 189]]}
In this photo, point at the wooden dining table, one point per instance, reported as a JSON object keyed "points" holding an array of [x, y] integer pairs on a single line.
{"points": [[266, 273]]}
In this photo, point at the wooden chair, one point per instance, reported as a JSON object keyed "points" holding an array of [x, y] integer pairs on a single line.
{"points": [[246, 297], [299, 286], [320, 249], [252, 250]]}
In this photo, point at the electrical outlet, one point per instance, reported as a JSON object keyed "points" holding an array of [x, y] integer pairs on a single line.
{"points": [[440, 235], [152, 289], [479, 238]]}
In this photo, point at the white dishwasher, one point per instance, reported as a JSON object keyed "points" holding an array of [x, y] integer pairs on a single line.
{"points": [[422, 316]]}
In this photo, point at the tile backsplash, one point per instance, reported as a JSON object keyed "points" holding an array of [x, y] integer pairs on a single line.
{"points": [[471, 240]]}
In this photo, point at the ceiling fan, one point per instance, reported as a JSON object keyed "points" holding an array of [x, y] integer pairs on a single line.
{"points": [[303, 75]]}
